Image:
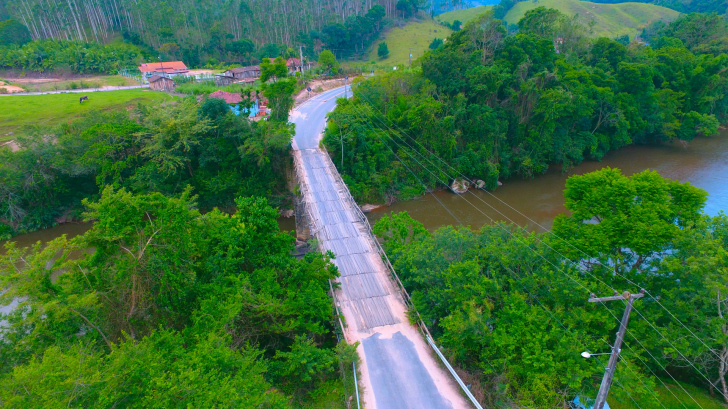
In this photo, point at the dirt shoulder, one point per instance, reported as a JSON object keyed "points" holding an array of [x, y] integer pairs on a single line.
{"points": [[10, 89], [318, 87]]}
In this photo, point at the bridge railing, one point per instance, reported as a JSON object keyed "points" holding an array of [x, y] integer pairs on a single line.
{"points": [[315, 228], [390, 267]]}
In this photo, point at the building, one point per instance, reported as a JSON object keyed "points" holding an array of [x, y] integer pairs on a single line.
{"points": [[234, 101], [159, 83], [294, 65], [163, 69], [239, 73]]}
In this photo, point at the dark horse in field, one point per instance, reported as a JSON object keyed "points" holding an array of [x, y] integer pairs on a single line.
{"points": [[83, 98]]}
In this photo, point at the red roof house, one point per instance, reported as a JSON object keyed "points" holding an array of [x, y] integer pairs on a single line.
{"points": [[162, 66], [228, 97]]}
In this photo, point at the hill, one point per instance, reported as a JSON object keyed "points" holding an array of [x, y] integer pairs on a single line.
{"points": [[463, 15], [417, 36], [610, 20]]}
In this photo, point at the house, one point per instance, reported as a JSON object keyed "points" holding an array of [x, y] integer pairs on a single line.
{"points": [[159, 83], [163, 69], [229, 97], [252, 71], [234, 101], [294, 65]]}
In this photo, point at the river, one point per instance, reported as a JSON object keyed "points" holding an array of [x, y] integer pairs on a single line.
{"points": [[704, 163]]}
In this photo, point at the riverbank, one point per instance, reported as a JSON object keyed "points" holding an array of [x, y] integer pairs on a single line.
{"points": [[537, 201]]}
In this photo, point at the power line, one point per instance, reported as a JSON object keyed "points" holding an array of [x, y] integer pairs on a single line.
{"points": [[508, 269], [656, 299], [549, 231], [551, 262]]}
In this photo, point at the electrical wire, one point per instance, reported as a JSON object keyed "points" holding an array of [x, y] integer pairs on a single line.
{"points": [[617, 319], [499, 212]]}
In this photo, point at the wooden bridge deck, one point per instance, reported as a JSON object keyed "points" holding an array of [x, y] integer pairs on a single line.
{"points": [[337, 222]]}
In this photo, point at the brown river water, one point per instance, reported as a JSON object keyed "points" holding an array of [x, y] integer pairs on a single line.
{"points": [[537, 201]]}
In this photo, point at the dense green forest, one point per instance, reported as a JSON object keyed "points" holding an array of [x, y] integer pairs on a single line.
{"points": [[184, 292], [74, 56], [496, 106], [154, 149], [173, 308], [200, 31], [510, 306]]}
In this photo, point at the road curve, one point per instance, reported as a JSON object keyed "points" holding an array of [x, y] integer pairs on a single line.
{"points": [[399, 371]]}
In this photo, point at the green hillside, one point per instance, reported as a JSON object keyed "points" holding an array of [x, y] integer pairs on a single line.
{"points": [[463, 15], [611, 20], [417, 36]]}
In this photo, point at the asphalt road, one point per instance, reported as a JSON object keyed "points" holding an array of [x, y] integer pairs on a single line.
{"points": [[398, 369], [310, 117]]}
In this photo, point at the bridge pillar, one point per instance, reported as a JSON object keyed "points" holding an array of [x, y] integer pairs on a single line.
{"points": [[303, 231]]}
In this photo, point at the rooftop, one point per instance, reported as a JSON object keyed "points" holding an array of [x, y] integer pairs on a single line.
{"points": [[162, 66], [228, 97]]}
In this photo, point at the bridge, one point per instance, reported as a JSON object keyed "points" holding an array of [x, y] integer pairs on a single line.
{"points": [[399, 368]]}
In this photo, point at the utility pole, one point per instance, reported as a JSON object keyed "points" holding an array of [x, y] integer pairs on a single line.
{"points": [[300, 53], [410, 58], [612, 365]]}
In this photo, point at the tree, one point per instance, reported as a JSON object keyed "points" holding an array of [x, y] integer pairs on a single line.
{"points": [[273, 70], [626, 222], [280, 98], [383, 50], [436, 43], [169, 50], [13, 32], [327, 62]]}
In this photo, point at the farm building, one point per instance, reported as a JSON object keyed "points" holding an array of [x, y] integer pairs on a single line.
{"points": [[252, 71], [163, 69], [159, 83], [240, 74]]}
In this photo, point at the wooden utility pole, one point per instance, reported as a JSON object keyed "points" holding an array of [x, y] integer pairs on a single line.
{"points": [[300, 53], [609, 371], [410, 58]]}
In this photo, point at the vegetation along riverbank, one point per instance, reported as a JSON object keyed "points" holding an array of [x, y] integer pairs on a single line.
{"points": [[495, 105]]}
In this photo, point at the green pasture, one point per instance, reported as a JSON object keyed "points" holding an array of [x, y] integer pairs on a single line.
{"points": [[18, 111]]}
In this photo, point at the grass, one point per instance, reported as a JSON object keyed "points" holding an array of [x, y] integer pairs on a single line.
{"points": [[80, 83], [463, 15], [208, 87], [20, 110], [680, 400], [610, 20], [417, 35]]}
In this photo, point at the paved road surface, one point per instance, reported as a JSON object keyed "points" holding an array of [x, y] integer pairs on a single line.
{"points": [[399, 371]]}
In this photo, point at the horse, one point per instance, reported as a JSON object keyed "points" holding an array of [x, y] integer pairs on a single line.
{"points": [[83, 98]]}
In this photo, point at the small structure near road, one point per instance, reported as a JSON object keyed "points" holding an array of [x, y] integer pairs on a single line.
{"points": [[159, 83], [240, 74]]}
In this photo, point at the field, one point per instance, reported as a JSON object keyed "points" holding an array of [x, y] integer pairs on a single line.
{"points": [[19, 110], [59, 84], [680, 400], [208, 87], [611, 20], [463, 15], [418, 36]]}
